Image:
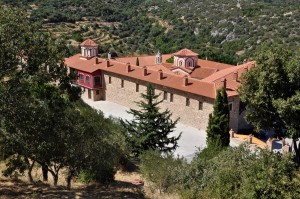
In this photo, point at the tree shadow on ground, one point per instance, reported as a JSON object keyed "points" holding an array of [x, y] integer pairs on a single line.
{"points": [[19, 189]]}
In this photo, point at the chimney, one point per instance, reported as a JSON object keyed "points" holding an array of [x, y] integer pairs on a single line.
{"points": [[160, 75], [96, 60], [185, 80], [223, 82], [107, 63], [145, 72], [128, 67], [235, 76]]}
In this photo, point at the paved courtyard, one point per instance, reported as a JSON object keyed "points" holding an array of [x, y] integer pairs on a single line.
{"points": [[191, 138]]}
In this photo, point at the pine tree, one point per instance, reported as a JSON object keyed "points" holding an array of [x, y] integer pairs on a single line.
{"points": [[218, 123], [150, 128], [137, 62]]}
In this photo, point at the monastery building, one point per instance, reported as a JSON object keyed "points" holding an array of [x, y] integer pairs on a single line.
{"points": [[188, 87]]}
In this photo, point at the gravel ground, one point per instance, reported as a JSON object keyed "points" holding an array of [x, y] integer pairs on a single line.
{"points": [[191, 138]]}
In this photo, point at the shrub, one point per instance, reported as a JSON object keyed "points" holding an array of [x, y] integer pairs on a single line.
{"points": [[161, 170]]}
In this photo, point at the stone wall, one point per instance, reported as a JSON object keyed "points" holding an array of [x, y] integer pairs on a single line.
{"points": [[96, 94], [195, 113]]}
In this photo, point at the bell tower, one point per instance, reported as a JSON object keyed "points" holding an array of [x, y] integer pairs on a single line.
{"points": [[89, 49]]}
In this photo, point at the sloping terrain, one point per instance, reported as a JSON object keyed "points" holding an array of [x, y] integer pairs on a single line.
{"points": [[226, 30]]}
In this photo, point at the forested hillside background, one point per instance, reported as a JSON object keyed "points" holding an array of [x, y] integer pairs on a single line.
{"points": [[221, 30]]}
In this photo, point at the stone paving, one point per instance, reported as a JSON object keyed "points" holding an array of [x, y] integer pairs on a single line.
{"points": [[191, 138]]}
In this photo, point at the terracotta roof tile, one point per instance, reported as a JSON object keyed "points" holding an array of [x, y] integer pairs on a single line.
{"points": [[205, 87], [185, 52], [212, 64], [88, 42], [143, 60], [82, 64], [201, 73], [228, 73], [170, 80]]}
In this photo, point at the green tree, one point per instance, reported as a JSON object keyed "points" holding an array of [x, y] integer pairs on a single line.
{"points": [[218, 123], [28, 58], [271, 93], [164, 178], [150, 128], [240, 173], [39, 122]]}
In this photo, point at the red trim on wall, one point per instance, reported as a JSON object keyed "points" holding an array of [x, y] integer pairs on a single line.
{"points": [[91, 84]]}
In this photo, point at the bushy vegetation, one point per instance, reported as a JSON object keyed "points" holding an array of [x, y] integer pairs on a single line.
{"points": [[42, 120], [225, 31], [232, 173], [274, 104], [165, 177]]}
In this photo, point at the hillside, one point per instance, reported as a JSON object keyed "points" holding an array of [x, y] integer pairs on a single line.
{"points": [[223, 30]]}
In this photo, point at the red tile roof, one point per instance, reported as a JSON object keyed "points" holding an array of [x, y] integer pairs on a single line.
{"points": [[185, 52], [143, 60], [89, 42], [211, 72], [201, 73], [195, 86], [181, 68], [228, 73], [82, 64], [212, 64]]}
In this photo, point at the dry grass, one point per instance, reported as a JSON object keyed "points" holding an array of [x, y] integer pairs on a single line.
{"points": [[122, 187]]}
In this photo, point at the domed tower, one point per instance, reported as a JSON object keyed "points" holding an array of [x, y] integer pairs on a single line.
{"points": [[158, 58], [185, 58], [89, 49]]}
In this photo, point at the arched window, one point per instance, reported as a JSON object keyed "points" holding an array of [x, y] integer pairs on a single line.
{"points": [[180, 63], [189, 64]]}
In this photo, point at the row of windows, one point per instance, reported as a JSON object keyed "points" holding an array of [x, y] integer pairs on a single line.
{"points": [[97, 80], [165, 96], [137, 86], [187, 100]]}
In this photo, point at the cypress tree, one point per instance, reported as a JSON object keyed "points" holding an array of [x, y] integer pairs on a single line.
{"points": [[150, 128], [137, 62], [218, 123]]}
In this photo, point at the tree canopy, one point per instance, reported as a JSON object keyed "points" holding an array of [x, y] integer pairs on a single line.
{"points": [[218, 123], [39, 120], [150, 128], [271, 92]]}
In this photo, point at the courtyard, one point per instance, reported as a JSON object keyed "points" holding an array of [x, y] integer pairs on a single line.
{"points": [[191, 139]]}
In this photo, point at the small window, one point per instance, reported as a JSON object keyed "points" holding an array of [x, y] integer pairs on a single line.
{"points": [[230, 106], [97, 80], [165, 95], [122, 83], [180, 63], [97, 92], [109, 79], [87, 79], [200, 105], [137, 88], [187, 102], [81, 78], [171, 97]]}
